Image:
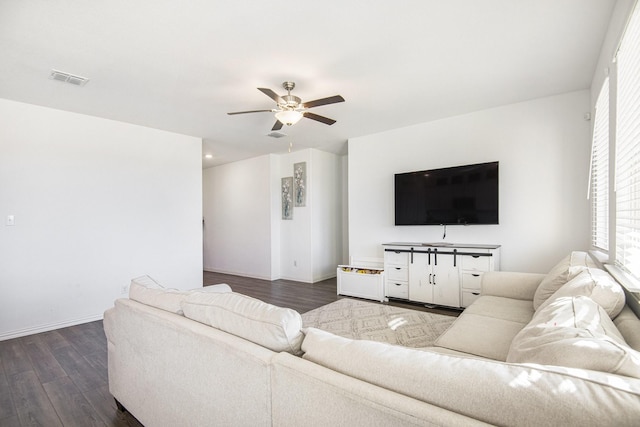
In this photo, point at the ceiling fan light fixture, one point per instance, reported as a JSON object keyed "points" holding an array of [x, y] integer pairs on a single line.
{"points": [[288, 117]]}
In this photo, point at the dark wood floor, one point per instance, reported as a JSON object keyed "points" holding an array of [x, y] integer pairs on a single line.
{"points": [[59, 378], [302, 297]]}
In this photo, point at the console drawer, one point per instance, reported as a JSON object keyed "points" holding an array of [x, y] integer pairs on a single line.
{"points": [[471, 280], [397, 289], [479, 263], [468, 297], [396, 258], [398, 273]]}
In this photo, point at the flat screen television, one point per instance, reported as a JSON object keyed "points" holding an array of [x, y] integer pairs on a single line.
{"points": [[457, 195]]}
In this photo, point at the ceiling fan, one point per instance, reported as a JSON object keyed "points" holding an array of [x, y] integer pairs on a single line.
{"points": [[290, 109]]}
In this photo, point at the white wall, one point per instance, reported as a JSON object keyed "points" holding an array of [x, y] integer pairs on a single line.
{"points": [[326, 224], [295, 235], [244, 232], [543, 147], [617, 23], [237, 216], [310, 246], [96, 203]]}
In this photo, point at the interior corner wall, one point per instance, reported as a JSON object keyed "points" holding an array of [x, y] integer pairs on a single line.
{"points": [[96, 202], [296, 262], [237, 201], [310, 243], [344, 210], [543, 147], [326, 222], [244, 233]]}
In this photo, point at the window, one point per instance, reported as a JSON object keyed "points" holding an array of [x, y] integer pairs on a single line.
{"points": [[627, 158], [599, 191]]}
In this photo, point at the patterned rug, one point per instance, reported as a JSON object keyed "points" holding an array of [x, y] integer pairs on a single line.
{"points": [[363, 320]]}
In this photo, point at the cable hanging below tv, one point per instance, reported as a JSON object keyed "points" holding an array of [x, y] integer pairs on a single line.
{"points": [[459, 195]]}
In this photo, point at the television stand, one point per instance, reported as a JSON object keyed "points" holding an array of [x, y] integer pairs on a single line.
{"points": [[438, 274]]}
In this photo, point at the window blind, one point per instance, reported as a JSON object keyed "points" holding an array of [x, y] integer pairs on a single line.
{"points": [[599, 191], [627, 173]]}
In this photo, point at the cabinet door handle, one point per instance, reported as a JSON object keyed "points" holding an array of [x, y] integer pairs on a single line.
{"points": [[430, 278], [434, 280], [475, 275], [398, 268], [475, 293], [398, 284], [475, 256]]}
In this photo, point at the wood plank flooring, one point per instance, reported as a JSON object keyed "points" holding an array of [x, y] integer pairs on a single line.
{"points": [[302, 297], [59, 378]]}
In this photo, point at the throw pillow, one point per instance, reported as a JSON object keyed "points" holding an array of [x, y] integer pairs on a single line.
{"points": [[595, 284], [275, 328], [561, 273], [575, 332]]}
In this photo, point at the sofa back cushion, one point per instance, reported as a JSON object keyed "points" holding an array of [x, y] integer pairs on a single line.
{"points": [[148, 291], [596, 284], [494, 392], [275, 328], [577, 333], [568, 268]]}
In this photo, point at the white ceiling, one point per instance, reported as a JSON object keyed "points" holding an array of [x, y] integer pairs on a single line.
{"points": [[182, 65]]}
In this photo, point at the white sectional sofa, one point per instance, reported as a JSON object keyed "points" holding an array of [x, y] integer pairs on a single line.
{"points": [[555, 349]]}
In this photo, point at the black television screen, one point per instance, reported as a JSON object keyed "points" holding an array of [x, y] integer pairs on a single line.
{"points": [[456, 195]]}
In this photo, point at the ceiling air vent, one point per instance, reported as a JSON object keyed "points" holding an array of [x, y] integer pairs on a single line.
{"points": [[277, 135], [61, 76]]}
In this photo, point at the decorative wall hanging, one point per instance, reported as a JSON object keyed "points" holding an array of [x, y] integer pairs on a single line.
{"points": [[300, 184], [287, 198]]}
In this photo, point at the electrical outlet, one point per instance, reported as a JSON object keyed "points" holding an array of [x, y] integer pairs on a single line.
{"points": [[124, 289]]}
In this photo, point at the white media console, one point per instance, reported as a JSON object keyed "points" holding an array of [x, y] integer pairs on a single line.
{"points": [[437, 273]]}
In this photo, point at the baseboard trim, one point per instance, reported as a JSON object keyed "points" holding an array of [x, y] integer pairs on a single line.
{"points": [[271, 279], [48, 327], [237, 273]]}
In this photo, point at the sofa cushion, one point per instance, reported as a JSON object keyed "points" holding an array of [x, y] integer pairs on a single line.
{"points": [[487, 327], [519, 395], [577, 333], [480, 335], [595, 284], [629, 326], [276, 328], [515, 310], [565, 270], [146, 290]]}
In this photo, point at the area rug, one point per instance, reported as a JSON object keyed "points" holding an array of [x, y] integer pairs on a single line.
{"points": [[363, 320]]}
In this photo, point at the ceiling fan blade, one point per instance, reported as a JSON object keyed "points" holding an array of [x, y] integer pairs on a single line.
{"points": [[277, 125], [271, 94], [323, 101], [317, 118], [252, 111]]}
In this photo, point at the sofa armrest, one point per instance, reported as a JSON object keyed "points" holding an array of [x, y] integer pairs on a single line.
{"points": [[511, 284]]}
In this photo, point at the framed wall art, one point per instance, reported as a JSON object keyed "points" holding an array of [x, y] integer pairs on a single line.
{"points": [[300, 184], [287, 197]]}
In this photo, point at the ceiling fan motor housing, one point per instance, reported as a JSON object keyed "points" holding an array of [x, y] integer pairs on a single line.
{"points": [[291, 102]]}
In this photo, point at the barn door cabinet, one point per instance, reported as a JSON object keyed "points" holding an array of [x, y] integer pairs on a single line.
{"points": [[438, 274]]}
